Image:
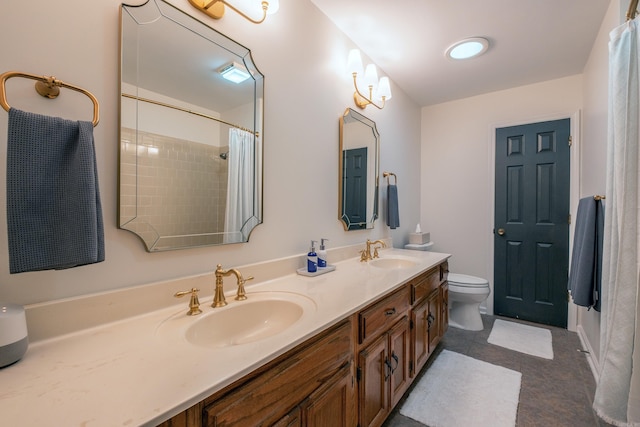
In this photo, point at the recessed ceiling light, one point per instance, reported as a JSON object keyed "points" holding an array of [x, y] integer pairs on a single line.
{"points": [[468, 48]]}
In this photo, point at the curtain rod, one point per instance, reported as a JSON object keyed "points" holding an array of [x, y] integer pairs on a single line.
{"points": [[162, 104], [632, 11]]}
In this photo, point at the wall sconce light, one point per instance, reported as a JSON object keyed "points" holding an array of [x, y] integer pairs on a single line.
{"points": [[216, 8], [378, 90]]}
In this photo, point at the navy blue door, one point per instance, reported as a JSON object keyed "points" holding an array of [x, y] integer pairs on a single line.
{"points": [[354, 175], [531, 234]]}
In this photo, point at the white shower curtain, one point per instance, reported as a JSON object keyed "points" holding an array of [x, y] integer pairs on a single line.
{"points": [[617, 398], [239, 215]]}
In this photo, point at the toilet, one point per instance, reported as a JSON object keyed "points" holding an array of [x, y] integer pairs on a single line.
{"points": [[466, 293]]}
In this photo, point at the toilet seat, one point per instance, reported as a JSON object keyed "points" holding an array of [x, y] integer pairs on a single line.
{"points": [[466, 281]]}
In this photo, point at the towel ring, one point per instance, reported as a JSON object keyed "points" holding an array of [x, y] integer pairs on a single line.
{"points": [[387, 174], [47, 86]]}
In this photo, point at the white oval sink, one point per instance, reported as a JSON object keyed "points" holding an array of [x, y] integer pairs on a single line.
{"points": [[395, 262], [262, 315]]}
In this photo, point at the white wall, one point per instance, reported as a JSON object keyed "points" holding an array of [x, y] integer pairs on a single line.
{"points": [[307, 88], [594, 142], [457, 165]]}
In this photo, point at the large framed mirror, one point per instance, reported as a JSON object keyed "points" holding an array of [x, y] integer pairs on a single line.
{"points": [[191, 119], [358, 169]]}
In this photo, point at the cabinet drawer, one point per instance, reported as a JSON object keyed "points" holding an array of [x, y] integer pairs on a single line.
{"points": [[422, 286], [267, 398], [381, 316], [444, 271]]}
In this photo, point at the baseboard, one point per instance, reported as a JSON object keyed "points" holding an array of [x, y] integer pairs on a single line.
{"points": [[591, 356]]}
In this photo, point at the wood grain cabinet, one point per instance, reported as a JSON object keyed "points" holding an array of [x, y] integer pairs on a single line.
{"points": [[429, 314], [383, 358], [352, 374]]}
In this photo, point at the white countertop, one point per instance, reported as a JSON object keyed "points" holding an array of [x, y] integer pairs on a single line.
{"points": [[127, 373]]}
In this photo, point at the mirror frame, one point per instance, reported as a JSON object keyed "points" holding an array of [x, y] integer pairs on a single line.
{"points": [[156, 10], [352, 116]]}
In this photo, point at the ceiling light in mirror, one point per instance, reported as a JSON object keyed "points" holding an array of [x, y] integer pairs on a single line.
{"points": [[468, 48], [234, 72]]}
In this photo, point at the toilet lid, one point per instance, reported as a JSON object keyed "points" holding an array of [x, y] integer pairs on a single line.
{"points": [[465, 280]]}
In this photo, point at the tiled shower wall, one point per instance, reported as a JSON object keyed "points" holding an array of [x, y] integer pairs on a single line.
{"points": [[181, 187]]}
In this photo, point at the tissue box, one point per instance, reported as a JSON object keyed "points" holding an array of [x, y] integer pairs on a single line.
{"points": [[419, 238]]}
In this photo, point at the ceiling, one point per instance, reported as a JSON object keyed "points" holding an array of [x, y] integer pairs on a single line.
{"points": [[529, 41]]}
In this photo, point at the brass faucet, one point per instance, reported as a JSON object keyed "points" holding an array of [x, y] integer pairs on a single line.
{"points": [[219, 299], [365, 254]]}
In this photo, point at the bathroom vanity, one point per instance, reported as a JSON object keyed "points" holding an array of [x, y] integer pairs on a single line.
{"points": [[358, 338], [353, 373]]}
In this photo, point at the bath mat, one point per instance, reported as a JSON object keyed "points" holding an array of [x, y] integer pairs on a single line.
{"points": [[458, 390], [523, 338]]}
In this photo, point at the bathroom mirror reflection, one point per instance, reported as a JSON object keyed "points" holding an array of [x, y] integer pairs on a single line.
{"points": [[358, 169], [191, 131]]}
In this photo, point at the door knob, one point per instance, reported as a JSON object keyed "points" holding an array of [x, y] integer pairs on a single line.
{"points": [[500, 231]]}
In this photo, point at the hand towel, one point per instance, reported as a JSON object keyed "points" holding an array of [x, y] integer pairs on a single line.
{"points": [[586, 259], [393, 216], [54, 214]]}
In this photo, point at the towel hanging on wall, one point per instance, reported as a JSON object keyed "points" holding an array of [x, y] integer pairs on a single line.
{"points": [[586, 259], [393, 215], [54, 214]]}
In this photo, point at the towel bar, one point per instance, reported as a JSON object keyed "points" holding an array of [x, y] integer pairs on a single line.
{"points": [[46, 86], [598, 197], [387, 174]]}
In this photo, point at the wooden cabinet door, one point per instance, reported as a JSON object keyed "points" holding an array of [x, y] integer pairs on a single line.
{"points": [[433, 319], [399, 357], [420, 336], [373, 390], [444, 304], [333, 404]]}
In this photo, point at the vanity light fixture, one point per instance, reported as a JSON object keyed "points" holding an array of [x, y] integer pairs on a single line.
{"points": [[468, 48], [234, 72], [379, 90], [216, 8]]}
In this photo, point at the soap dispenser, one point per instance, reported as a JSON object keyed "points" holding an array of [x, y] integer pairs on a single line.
{"points": [[322, 254], [312, 258]]}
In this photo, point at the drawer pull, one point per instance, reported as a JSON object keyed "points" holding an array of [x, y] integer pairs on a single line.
{"points": [[390, 312]]}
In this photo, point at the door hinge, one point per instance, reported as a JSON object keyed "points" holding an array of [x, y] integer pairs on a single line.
{"points": [[358, 374], [570, 140], [411, 324], [569, 219]]}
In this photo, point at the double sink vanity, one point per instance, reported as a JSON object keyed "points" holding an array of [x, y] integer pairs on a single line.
{"points": [[335, 349]]}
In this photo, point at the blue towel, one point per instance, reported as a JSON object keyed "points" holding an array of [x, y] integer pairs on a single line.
{"points": [[54, 215], [586, 262], [393, 217]]}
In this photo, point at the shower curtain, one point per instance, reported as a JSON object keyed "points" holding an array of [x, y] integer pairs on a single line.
{"points": [[617, 398], [239, 215]]}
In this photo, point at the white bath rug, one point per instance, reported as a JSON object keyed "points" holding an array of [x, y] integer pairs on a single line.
{"points": [[523, 338], [459, 391]]}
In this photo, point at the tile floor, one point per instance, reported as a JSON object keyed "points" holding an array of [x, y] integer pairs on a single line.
{"points": [[556, 392]]}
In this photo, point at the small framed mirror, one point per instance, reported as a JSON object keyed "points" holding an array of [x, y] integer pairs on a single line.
{"points": [[358, 171], [191, 119]]}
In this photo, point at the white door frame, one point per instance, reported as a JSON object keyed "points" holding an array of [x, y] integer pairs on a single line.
{"points": [[574, 192]]}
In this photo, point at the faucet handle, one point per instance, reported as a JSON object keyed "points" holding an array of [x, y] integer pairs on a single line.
{"points": [[242, 295], [194, 303], [363, 255], [375, 252]]}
